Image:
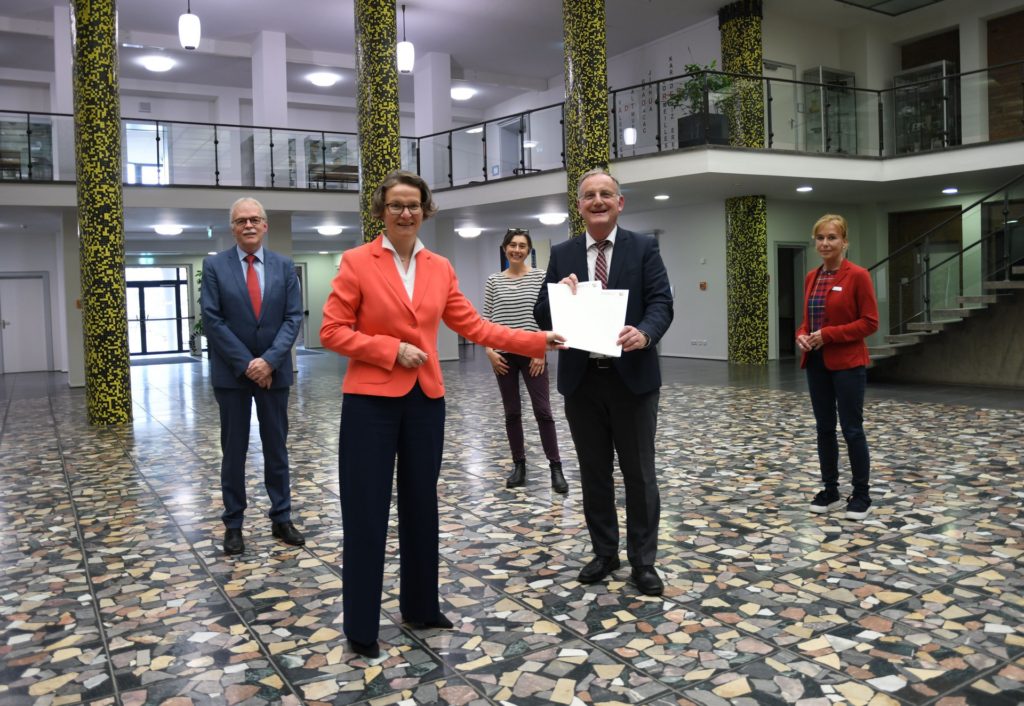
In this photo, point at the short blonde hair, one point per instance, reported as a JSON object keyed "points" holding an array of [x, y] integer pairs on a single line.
{"points": [[831, 218]]}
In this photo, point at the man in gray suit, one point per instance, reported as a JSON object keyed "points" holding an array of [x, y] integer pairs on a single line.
{"points": [[252, 310]]}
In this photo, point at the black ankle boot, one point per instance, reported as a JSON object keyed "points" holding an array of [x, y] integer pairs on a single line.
{"points": [[558, 483], [518, 475]]}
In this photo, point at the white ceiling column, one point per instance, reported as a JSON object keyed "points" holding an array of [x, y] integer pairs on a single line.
{"points": [[432, 81], [269, 80], [61, 88]]}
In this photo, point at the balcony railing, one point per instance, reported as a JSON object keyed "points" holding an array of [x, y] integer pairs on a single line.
{"points": [[660, 116]]}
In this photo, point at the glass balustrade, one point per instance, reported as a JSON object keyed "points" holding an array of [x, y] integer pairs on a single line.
{"points": [[923, 110]]}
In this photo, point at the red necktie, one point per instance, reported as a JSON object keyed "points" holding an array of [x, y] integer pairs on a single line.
{"points": [[601, 266], [252, 282]]}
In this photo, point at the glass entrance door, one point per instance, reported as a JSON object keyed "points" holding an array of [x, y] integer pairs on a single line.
{"points": [[158, 310]]}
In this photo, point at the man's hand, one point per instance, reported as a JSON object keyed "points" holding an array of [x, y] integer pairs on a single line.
{"points": [[571, 281], [260, 372], [632, 339]]}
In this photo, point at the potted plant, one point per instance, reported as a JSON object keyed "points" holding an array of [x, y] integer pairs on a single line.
{"points": [[707, 98], [195, 339]]}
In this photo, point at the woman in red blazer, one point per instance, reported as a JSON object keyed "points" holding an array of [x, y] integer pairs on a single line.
{"points": [[386, 304], [840, 311]]}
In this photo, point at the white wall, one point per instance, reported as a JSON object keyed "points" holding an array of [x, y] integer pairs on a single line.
{"points": [[28, 97]]}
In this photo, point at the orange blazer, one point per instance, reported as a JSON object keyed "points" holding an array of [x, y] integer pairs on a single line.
{"points": [[368, 314], [851, 315]]}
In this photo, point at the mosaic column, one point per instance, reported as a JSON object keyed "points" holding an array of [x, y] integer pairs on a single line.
{"points": [[101, 212], [746, 250], [377, 80], [746, 264], [739, 25], [587, 144]]}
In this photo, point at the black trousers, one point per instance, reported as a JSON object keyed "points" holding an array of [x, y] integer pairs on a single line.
{"points": [[607, 419], [272, 412], [375, 431]]}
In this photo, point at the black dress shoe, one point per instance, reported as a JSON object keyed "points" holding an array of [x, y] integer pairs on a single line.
{"points": [[518, 475], [233, 543], [439, 622], [558, 483], [286, 532], [370, 650], [647, 580], [598, 568]]}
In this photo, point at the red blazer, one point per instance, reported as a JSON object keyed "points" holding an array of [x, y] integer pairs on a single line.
{"points": [[851, 315], [368, 314]]}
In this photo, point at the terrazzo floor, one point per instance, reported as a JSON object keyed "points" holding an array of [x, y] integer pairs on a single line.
{"points": [[114, 589]]}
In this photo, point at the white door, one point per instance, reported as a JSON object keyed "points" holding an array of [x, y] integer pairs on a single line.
{"points": [[786, 120], [22, 325]]}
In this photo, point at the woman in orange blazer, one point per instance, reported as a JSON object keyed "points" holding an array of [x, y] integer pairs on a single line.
{"points": [[840, 311], [386, 304]]}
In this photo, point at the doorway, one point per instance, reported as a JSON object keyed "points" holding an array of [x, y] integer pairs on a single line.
{"points": [[783, 125], [790, 268], [25, 340], [159, 314]]}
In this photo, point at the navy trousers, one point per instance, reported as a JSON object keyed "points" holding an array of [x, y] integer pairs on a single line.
{"points": [[839, 392], [375, 431], [272, 412]]}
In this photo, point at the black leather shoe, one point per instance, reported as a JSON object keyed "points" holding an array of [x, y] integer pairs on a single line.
{"points": [[233, 543], [370, 650], [518, 475], [286, 532], [558, 483], [647, 580], [598, 568], [439, 622]]}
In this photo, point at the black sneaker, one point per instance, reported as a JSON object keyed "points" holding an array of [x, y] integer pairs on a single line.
{"points": [[857, 507], [825, 501]]}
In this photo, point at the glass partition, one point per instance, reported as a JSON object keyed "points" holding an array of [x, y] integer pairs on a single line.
{"points": [[191, 156], [542, 140], [433, 160], [469, 164]]}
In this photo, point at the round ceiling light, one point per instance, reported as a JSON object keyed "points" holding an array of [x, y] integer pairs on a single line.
{"points": [[552, 219], [329, 230], [168, 229], [469, 232], [462, 93], [157, 62], [324, 79]]}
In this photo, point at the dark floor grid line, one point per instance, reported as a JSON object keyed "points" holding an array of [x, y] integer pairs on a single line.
{"points": [[115, 591]]}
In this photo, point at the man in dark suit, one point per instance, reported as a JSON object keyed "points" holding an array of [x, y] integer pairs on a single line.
{"points": [[252, 310], [611, 404]]}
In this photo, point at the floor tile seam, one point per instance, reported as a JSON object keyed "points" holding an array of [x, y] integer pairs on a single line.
{"points": [[201, 561], [971, 678], [93, 597], [846, 677]]}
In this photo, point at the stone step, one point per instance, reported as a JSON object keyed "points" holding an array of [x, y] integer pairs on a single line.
{"points": [[907, 338], [1004, 284], [978, 299], [1017, 270], [962, 312], [932, 325]]}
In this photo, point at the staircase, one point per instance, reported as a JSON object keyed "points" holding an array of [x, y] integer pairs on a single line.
{"points": [[942, 310]]}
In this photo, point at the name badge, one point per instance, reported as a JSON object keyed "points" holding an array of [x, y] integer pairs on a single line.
{"points": [[837, 289]]}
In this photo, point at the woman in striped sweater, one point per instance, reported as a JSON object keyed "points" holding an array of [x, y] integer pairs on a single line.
{"points": [[509, 297]]}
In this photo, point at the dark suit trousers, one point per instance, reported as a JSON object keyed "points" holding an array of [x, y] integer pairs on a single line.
{"points": [[604, 417], [272, 413], [374, 431]]}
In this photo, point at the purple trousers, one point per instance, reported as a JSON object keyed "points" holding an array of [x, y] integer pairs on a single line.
{"points": [[538, 387]]}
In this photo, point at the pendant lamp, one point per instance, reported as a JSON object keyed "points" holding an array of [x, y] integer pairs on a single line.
{"points": [[189, 29], [406, 53]]}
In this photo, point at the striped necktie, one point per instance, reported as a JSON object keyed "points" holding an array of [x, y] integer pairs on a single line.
{"points": [[601, 265]]}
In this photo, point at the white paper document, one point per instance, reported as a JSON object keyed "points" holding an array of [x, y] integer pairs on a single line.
{"points": [[591, 319]]}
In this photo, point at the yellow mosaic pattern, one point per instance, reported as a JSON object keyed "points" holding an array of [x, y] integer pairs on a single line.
{"points": [[740, 26], [587, 144], [377, 79], [746, 264], [101, 212]]}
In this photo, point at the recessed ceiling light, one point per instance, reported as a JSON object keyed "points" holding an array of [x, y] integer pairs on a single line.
{"points": [[469, 232], [212, 252], [158, 62], [329, 230], [475, 130], [662, 197], [951, 190], [552, 219], [168, 229], [324, 79], [804, 189], [462, 93], [322, 252]]}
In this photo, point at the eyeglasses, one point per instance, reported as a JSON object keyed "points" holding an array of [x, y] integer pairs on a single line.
{"points": [[395, 209], [603, 195], [255, 220]]}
